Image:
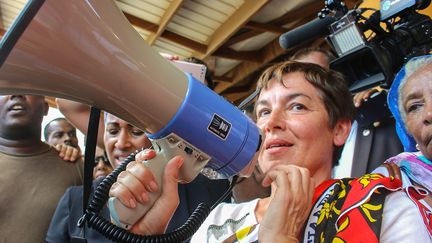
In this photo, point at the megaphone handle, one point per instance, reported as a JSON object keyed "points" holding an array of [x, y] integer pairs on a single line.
{"points": [[125, 217]]}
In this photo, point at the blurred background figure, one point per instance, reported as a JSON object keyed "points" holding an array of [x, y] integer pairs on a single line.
{"points": [[208, 79], [102, 165], [33, 177], [61, 131]]}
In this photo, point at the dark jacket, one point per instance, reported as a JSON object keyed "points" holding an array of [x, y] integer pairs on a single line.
{"points": [[69, 209]]}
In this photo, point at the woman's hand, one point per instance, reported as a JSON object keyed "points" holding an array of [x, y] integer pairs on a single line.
{"points": [[68, 153], [363, 96], [135, 184], [290, 204]]}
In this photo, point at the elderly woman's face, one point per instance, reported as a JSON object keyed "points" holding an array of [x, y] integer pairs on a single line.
{"points": [[295, 125], [416, 98]]}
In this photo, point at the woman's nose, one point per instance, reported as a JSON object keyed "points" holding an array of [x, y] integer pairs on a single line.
{"points": [[274, 121], [99, 165], [427, 115], [122, 140]]}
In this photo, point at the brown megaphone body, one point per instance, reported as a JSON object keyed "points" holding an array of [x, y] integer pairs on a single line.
{"points": [[97, 58], [88, 52]]}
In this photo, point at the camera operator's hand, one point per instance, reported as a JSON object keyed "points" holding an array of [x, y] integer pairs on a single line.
{"points": [[362, 96], [135, 184]]}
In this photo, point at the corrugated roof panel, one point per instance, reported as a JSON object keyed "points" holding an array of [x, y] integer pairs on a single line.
{"points": [[197, 17], [224, 65], [155, 7], [9, 11], [185, 31], [172, 48], [191, 18], [192, 25], [226, 9], [206, 8], [234, 3], [153, 17]]}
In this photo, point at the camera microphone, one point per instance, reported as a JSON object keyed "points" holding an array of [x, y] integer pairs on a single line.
{"points": [[311, 30]]}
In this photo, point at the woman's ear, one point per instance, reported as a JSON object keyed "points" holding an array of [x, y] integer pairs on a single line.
{"points": [[341, 131]]}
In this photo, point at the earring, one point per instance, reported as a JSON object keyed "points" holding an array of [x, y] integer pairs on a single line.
{"points": [[417, 147]]}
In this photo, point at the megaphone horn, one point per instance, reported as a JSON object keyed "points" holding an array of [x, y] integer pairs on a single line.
{"points": [[77, 53]]}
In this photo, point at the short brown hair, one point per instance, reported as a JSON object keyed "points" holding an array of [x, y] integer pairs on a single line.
{"points": [[330, 84], [331, 87]]}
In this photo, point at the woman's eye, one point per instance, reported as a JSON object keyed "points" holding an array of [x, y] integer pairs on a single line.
{"points": [[298, 107], [413, 107], [263, 112], [137, 132], [57, 135], [112, 131]]}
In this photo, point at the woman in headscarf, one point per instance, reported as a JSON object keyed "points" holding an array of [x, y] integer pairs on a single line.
{"points": [[410, 101]]}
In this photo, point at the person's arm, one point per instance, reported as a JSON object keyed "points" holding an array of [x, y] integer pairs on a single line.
{"points": [[78, 114], [58, 229]]}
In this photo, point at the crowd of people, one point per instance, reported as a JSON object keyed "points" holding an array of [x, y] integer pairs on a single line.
{"points": [[316, 180]]}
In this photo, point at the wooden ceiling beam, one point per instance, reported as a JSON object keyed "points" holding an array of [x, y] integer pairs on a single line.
{"points": [[284, 19], [249, 56], [241, 37], [269, 53], [166, 18], [265, 27], [236, 96], [141, 23], [232, 25], [181, 40], [222, 79], [168, 35], [311, 9], [241, 89]]}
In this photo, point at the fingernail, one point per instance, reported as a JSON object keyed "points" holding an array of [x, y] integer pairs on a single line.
{"points": [[132, 203], [153, 186], [180, 162], [144, 197]]}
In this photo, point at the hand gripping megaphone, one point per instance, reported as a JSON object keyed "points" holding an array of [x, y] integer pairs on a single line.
{"points": [[87, 51]]}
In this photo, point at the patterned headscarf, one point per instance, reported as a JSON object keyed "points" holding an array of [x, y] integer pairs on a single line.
{"points": [[407, 140]]}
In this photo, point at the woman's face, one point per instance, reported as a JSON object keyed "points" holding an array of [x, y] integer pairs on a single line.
{"points": [[295, 125], [102, 166], [121, 139], [416, 98]]}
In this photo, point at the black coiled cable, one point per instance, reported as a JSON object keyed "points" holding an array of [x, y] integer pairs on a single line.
{"points": [[117, 234]]}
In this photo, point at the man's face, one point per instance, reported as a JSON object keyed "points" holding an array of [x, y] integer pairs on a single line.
{"points": [[20, 114], [62, 132]]}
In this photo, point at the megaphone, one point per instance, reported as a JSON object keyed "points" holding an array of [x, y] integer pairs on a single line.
{"points": [[88, 52]]}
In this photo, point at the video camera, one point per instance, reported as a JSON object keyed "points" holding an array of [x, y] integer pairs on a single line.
{"points": [[369, 61]]}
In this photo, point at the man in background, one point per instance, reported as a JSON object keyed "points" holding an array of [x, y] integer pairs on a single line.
{"points": [[33, 176], [60, 131]]}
